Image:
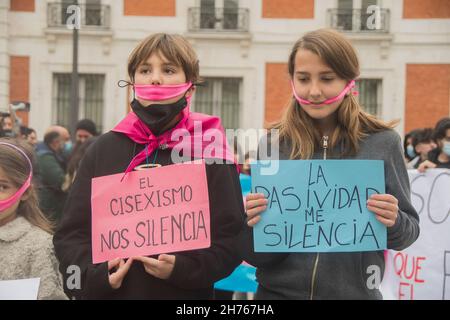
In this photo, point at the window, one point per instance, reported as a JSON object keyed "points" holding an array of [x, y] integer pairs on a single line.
{"points": [[91, 88], [364, 15], [230, 14], [352, 15], [219, 14], [370, 95], [91, 12], [220, 97], [345, 14], [207, 14], [64, 15]]}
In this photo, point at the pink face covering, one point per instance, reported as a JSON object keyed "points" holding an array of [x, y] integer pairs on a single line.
{"points": [[195, 124], [160, 92], [347, 88], [7, 203], [138, 132]]}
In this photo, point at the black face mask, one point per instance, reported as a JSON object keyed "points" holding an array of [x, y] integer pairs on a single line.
{"points": [[158, 116]]}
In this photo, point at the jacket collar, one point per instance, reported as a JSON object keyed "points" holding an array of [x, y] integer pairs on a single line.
{"points": [[14, 230]]}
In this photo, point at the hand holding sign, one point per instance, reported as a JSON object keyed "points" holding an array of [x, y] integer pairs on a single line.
{"points": [[385, 207], [255, 204], [160, 268], [427, 164], [121, 269]]}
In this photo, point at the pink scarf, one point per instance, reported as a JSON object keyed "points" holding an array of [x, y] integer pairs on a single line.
{"points": [[198, 128]]}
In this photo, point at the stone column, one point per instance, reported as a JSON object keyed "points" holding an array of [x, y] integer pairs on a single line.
{"points": [[4, 56]]}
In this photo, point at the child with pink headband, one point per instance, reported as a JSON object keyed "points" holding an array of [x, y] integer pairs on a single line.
{"points": [[26, 247], [163, 71], [324, 120]]}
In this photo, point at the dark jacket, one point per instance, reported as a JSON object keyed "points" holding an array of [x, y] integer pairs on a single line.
{"points": [[339, 275], [195, 271], [433, 156], [51, 170]]}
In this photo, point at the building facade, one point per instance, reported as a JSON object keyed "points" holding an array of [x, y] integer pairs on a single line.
{"points": [[243, 46]]}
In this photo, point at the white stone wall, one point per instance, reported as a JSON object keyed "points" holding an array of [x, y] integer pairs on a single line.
{"points": [[4, 57]]}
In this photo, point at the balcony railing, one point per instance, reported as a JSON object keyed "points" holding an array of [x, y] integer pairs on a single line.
{"points": [[357, 20], [218, 19], [93, 16]]}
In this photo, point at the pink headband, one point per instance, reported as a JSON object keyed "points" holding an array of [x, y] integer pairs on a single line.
{"points": [[5, 204]]}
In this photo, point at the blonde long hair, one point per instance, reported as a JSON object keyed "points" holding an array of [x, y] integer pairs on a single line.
{"points": [[16, 167], [298, 128]]}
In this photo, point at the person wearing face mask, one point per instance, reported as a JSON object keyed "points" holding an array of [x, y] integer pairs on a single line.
{"points": [[67, 147], [164, 71], [51, 169], [324, 120], [422, 144], [408, 148], [65, 151], [26, 248], [440, 156]]}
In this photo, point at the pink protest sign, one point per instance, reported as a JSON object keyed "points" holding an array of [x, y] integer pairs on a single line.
{"points": [[152, 211]]}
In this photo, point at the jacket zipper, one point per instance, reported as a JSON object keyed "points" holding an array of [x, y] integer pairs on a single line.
{"points": [[325, 146], [316, 262]]}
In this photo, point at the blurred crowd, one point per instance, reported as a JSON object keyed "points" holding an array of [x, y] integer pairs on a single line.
{"points": [[56, 158], [428, 147]]}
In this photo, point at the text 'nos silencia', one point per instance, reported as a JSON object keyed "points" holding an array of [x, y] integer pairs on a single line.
{"points": [[154, 230]]}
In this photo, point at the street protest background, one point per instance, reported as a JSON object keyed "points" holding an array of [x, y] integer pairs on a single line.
{"points": [[422, 271]]}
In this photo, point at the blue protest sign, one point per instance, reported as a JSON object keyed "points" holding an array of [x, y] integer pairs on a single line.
{"points": [[246, 183], [319, 206]]}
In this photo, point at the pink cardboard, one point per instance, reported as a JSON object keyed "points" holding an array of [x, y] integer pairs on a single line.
{"points": [[153, 211]]}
